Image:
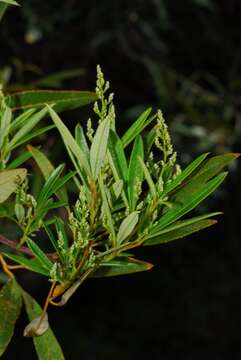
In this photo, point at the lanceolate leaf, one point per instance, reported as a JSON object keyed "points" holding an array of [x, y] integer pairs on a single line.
{"points": [[118, 156], [62, 100], [81, 140], [54, 242], [41, 159], [10, 306], [32, 135], [148, 177], [49, 187], [106, 209], [179, 209], [46, 346], [121, 266], [137, 127], [40, 255], [70, 142], [135, 174], [99, 147], [19, 160], [184, 174], [179, 224], [9, 180], [21, 119], [197, 180], [46, 168], [214, 165], [127, 226], [30, 264], [180, 233], [180, 229], [31, 122], [5, 124]]}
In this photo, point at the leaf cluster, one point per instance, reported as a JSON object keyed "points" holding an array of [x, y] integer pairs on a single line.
{"points": [[129, 191]]}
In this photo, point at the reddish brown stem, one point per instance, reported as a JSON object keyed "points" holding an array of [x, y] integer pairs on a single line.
{"points": [[23, 249]]}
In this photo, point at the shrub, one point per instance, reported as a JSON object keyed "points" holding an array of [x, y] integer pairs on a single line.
{"points": [[115, 202]]}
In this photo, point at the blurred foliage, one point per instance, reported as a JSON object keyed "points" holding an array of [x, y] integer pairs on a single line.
{"points": [[186, 52]]}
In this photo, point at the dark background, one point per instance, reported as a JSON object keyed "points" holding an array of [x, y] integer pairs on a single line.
{"points": [[184, 57]]}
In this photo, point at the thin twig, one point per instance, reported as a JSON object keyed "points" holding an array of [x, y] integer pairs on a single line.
{"points": [[5, 267]]}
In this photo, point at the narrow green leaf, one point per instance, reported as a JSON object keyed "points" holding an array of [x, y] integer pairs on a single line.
{"points": [[42, 161], [180, 209], [47, 168], [19, 160], [135, 173], [30, 264], [46, 346], [180, 232], [136, 128], [48, 188], [184, 174], [5, 122], [121, 266], [180, 224], [40, 255], [62, 181], [32, 135], [127, 226], [54, 205], [214, 165], [54, 241], [81, 140], [63, 100], [9, 180], [199, 178], [107, 208], [118, 156], [99, 147], [21, 119], [148, 177], [10, 307], [27, 127], [70, 142]]}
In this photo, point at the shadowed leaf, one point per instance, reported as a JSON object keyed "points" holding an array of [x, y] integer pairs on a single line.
{"points": [[121, 266], [63, 100], [10, 306]]}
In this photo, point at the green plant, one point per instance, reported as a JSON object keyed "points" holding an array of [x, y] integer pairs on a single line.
{"points": [[121, 202]]}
